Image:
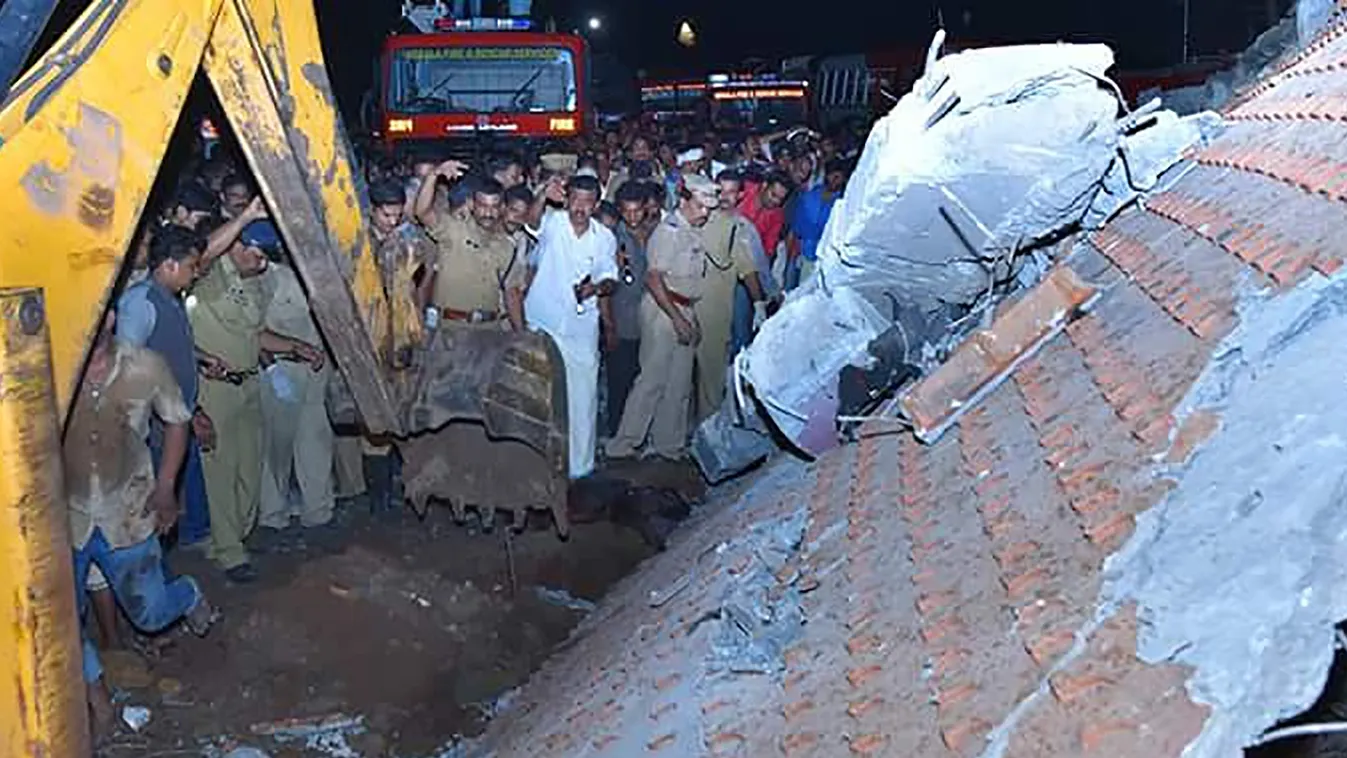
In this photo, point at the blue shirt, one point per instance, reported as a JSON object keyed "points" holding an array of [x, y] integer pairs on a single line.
{"points": [[150, 316], [811, 214]]}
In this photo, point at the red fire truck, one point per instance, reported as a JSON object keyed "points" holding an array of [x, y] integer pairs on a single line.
{"points": [[471, 77]]}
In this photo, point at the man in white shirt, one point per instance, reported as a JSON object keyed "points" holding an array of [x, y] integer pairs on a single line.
{"points": [[576, 260]]}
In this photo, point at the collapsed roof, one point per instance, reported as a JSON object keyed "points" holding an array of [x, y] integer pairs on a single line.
{"points": [[959, 197], [1130, 542]]}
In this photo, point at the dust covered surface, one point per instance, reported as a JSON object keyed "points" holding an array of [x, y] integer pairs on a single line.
{"points": [[412, 630]]}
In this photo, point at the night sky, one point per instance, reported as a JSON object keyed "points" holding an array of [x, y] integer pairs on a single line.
{"points": [[640, 33]]}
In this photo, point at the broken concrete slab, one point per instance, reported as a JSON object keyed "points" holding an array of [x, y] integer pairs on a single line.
{"points": [[1243, 577], [993, 157], [993, 149]]}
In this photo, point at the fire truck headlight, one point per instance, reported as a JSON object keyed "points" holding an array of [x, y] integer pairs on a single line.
{"points": [[399, 125], [562, 124]]}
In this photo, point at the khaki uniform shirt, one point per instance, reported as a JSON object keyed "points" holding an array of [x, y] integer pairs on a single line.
{"points": [[287, 310], [227, 314], [473, 267], [676, 249], [729, 256], [109, 474]]}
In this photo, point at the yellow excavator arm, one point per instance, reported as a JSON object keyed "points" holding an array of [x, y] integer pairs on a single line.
{"points": [[82, 135]]}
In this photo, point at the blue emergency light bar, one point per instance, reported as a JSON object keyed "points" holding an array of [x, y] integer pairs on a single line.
{"points": [[483, 24]]}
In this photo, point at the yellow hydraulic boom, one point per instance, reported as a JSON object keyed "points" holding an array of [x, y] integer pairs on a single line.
{"points": [[82, 134]]}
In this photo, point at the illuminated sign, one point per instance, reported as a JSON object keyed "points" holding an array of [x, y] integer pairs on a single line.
{"points": [[483, 24], [759, 93], [480, 53], [666, 89], [482, 128], [399, 125], [561, 125]]}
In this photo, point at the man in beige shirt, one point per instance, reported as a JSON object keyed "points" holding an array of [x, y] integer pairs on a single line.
{"points": [[475, 261], [119, 505], [656, 414], [729, 239], [297, 436]]}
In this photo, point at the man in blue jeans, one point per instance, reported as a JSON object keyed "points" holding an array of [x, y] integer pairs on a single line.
{"points": [[119, 503]]}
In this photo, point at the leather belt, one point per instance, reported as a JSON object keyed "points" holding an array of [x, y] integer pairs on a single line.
{"points": [[681, 300], [471, 317], [235, 378]]}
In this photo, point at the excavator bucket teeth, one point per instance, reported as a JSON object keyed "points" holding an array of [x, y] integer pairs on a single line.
{"points": [[487, 415]]}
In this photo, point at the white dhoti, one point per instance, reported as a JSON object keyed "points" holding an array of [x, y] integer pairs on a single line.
{"points": [[582, 402], [564, 259]]}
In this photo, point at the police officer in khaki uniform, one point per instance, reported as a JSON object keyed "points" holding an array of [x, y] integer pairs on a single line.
{"points": [[297, 437], [728, 238], [475, 260], [657, 409], [227, 311]]}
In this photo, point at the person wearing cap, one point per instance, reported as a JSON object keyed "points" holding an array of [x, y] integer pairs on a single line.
{"points": [[692, 160], [656, 414], [576, 272], [475, 260], [227, 312], [730, 241]]}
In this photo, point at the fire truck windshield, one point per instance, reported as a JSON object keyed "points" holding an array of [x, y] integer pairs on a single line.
{"points": [[482, 79]]}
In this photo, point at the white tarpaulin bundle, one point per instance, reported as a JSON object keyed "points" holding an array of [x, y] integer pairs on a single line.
{"points": [[994, 152]]}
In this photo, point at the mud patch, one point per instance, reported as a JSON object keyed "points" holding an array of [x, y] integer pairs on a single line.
{"points": [[416, 629]]}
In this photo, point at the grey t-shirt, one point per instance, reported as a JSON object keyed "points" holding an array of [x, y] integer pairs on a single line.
{"points": [[627, 297]]}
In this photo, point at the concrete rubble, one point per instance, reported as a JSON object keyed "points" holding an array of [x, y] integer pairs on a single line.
{"points": [[961, 195], [1244, 578]]}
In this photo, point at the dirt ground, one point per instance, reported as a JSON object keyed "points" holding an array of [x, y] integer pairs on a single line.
{"points": [[415, 629]]}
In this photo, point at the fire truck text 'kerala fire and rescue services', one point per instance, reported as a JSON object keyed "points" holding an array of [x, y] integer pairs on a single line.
{"points": [[460, 78]]}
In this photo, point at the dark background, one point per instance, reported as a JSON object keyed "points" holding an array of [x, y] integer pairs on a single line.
{"points": [[640, 33]]}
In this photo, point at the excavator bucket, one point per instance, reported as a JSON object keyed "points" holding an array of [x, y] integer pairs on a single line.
{"points": [[488, 413], [480, 418]]}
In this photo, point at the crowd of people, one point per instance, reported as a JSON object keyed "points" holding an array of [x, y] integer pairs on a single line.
{"points": [[201, 418]]}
